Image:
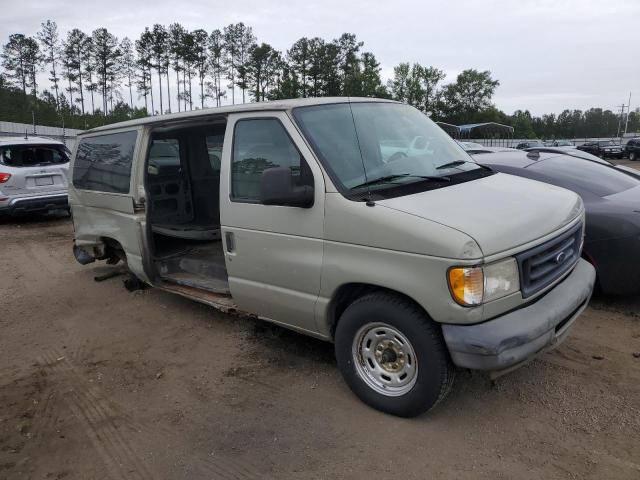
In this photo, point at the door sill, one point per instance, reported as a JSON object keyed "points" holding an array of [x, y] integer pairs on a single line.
{"points": [[198, 282], [220, 301]]}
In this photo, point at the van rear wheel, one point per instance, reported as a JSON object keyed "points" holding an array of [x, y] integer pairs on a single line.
{"points": [[392, 356]]}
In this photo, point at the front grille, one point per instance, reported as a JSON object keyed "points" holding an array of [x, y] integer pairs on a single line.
{"points": [[542, 265]]}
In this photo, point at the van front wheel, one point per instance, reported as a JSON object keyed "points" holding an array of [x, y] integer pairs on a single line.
{"points": [[392, 356]]}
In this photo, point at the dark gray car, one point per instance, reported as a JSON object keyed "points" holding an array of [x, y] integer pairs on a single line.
{"points": [[612, 202]]}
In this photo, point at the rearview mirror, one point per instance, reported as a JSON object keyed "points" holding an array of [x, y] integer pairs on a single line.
{"points": [[277, 188]]}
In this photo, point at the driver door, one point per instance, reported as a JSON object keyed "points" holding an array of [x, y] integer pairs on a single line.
{"points": [[273, 253]]}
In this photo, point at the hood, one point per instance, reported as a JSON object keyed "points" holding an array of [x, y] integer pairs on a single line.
{"points": [[499, 212]]}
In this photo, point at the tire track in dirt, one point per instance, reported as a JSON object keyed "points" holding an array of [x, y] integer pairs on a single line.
{"points": [[223, 469], [576, 360], [45, 256], [46, 420], [13, 286], [108, 429], [31, 273], [98, 423]]}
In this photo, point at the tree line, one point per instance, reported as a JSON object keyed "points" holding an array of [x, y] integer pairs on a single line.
{"points": [[95, 78], [173, 69]]}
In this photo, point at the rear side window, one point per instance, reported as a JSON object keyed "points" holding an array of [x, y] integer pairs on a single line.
{"points": [[258, 145], [103, 163]]}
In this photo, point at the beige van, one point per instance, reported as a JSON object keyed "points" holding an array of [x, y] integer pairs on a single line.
{"points": [[357, 221]]}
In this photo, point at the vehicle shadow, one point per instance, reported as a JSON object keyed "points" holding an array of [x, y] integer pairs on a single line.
{"points": [[286, 347], [36, 219], [628, 305]]}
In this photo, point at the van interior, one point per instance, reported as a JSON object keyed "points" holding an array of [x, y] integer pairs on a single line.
{"points": [[183, 198]]}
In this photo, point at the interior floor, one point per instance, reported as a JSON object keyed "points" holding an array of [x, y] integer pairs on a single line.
{"points": [[194, 264], [183, 185]]}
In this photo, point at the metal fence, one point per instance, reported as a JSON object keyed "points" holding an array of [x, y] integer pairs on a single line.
{"points": [[512, 142], [65, 135]]}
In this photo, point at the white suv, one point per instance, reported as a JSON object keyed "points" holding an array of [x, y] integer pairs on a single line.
{"points": [[33, 175]]}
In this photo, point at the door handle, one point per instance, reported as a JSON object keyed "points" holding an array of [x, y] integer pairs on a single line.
{"points": [[230, 242]]}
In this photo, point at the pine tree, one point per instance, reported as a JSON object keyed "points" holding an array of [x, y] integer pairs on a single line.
{"points": [[300, 62], [128, 66], [20, 59], [89, 69], [316, 50], [246, 42], [216, 56], [431, 77], [398, 84], [371, 82], [348, 62], [50, 42], [176, 45], [200, 59], [34, 60], [262, 67], [76, 53], [105, 55], [188, 61], [159, 41], [231, 49], [144, 63]]}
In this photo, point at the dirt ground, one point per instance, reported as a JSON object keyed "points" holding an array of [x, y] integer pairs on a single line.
{"points": [[97, 382]]}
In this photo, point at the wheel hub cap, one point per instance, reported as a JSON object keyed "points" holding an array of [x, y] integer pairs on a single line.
{"points": [[384, 358]]}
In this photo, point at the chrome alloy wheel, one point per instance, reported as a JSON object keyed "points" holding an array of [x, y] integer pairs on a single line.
{"points": [[384, 359]]}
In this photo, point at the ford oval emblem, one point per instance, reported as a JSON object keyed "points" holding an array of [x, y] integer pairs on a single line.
{"points": [[560, 257]]}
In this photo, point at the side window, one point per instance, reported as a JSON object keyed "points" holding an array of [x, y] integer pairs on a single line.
{"points": [[103, 163], [214, 138], [214, 150], [258, 145]]}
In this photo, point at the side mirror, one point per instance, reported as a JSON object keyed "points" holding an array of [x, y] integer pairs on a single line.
{"points": [[277, 188]]}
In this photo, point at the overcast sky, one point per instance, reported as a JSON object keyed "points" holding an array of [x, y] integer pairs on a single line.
{"points": [[547, 54]]}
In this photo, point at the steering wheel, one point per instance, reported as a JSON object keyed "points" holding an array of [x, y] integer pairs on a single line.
{"points": [[397, 156]]}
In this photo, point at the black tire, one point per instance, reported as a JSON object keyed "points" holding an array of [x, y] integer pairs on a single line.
{"points": [[435, 373], [633, 156]]}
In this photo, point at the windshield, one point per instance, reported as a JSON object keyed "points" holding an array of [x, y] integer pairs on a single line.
{"points": [[377, 146]]}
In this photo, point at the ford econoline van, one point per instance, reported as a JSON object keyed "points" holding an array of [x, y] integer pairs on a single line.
{"points": [[357, 221]]}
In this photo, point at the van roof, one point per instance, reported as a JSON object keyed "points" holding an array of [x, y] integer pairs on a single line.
{"points": [[29, 140], [245, 107]]}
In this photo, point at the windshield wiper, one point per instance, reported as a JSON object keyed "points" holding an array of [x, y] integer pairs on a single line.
{"points": [[388, 178], [453, 164]]}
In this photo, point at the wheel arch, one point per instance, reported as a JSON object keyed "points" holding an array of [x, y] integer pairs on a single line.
{"points": [[348, 293]]}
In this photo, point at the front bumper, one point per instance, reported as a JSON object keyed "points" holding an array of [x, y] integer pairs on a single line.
{"points": [[517, 336], [16, 206], [612, 153]]}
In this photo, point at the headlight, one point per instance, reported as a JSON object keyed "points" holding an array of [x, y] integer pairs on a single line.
{"points": [[476, 285]]}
